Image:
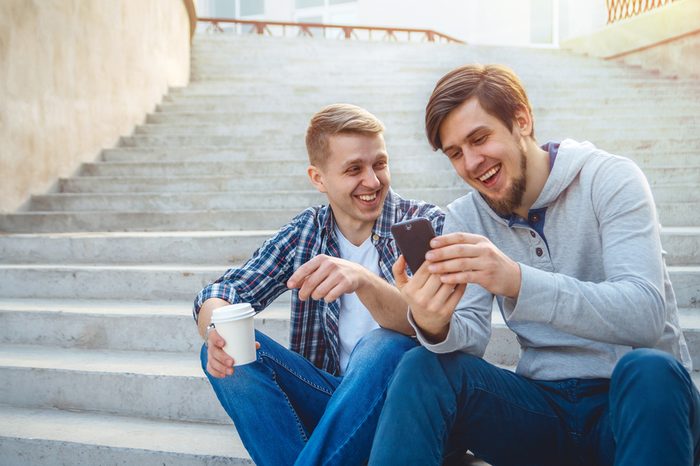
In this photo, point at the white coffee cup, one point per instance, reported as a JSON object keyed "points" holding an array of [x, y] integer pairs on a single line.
{"points": [[235, 325]]}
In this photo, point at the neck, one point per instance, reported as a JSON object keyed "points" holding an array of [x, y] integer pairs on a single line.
{"points": [[536, 175], [356, 234]]}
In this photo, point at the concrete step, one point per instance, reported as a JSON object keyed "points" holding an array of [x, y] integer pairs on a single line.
{"points": [[173, 282], [48, 437], [671, 115], [160, 247], [125, 383], [670, 214], [129, 326], [194, 184], [211, 247], [409, 127], [118, 325], [417, 105], [420, 88], [399, 154], [168, 282], [405, 169], [611, 141]]}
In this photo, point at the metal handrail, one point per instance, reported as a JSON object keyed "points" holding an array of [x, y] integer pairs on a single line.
{"points": [[623, 9], [262, 27]]}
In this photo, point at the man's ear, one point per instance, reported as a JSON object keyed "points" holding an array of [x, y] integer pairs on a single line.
{"points": [[316, 178], [523, 122]]}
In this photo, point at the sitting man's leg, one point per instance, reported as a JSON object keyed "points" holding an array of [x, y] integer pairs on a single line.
{"points": [[274, 402], [345, 432], [451, 401], [654, 411]]}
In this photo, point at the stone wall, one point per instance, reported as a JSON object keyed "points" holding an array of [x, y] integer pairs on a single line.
{"points": [[74, 76], [666, 40]]}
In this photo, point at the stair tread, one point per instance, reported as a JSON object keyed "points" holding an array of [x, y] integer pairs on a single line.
{"points": [[191, 438]]}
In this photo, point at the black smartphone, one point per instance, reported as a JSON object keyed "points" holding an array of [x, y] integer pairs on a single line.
{"points": [[413, 238]]}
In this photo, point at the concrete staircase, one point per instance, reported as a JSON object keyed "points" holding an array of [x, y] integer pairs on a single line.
{"points": [[98, 351]]}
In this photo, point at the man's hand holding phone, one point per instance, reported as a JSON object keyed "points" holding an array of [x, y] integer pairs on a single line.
{"points": [[461, 258], [432, 302]]}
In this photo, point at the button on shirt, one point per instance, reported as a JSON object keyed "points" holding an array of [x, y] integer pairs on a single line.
{"points": [[314, 324]]}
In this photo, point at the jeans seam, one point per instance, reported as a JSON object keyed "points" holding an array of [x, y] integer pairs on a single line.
{"points": [[308, 382], [302, 432]]}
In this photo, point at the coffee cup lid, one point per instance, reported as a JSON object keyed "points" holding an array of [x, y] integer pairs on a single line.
{"points": [[232, 312]]}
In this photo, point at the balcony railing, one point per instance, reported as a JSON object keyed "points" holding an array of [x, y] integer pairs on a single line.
{"points": [[622, 9], [281, 28]]}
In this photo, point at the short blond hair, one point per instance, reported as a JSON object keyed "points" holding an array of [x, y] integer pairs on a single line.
{"points": [[337, 119]]}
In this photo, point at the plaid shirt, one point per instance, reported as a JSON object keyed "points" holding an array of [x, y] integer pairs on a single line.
{"points": [[314, 324]]}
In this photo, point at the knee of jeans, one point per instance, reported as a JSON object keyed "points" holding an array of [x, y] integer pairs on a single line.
{"points": [[383, 346], [647, 368]]}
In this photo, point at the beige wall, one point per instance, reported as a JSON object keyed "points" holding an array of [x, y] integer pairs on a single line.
{"points": [[74, 76], [666, 39]]}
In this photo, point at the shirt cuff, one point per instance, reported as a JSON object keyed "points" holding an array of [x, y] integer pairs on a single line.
{"points": [[446, 346]]}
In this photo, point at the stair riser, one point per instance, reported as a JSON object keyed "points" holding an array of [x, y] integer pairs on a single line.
{"points": [[211, 249], [218, 250], [136, 284], [153, 396], [671, 214], [437, 167], [417, 105], [37, 222], [401, 156], [295, 143], [407, 128], [224, 185], [117, 332], [42, 452], [103, 283], [671, 116]]}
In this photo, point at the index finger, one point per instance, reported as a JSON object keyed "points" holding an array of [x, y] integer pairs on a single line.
{"points": [[455, 238], [298, 277]]}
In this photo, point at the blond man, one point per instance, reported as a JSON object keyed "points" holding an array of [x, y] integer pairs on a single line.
{"points": [[319, 401]]}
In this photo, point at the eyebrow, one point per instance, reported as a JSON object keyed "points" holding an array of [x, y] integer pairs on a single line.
{"points": [[380, 156], [467, 137]]}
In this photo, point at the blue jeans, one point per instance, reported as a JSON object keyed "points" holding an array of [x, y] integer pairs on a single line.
{"points": [[648, 413], [288, 411]]}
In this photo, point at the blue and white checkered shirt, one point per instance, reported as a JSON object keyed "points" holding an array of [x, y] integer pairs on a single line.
{"points": [[314, 324]]}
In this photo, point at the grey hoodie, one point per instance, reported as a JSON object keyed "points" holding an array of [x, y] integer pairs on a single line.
{"points": [[599, 290]]}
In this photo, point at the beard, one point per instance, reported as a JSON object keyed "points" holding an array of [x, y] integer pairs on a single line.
{"points": [[514, 197]]}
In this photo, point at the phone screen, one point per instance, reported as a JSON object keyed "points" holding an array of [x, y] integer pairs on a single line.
{"points": [[413, 239]]}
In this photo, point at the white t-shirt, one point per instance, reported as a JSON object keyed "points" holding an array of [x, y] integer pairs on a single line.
{"points": [[355, 320]]}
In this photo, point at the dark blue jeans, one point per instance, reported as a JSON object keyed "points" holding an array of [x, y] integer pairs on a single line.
{"points": [[288, 411], [648, 413]]}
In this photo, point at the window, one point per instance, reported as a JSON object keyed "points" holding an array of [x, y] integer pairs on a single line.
{"points": [[252, 7], [308, 3]]}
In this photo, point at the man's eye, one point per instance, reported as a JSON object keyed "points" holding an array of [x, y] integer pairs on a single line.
{"points": [[480, 140], [455, 155], [380, 165], [353, 170]]}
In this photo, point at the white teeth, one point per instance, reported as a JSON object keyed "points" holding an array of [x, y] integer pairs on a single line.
{"points": [[368, 197], [489, 174]]}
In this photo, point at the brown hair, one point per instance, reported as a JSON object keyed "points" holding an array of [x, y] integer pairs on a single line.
{"points": [[337, 119], [497, 88]]}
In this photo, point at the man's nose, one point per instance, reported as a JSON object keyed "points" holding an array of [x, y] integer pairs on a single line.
{"points": [[472, 159], [371, 180]]}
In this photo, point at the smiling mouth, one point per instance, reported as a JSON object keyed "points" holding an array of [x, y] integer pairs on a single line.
{"points": [[488, 177], [368, 197]]}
